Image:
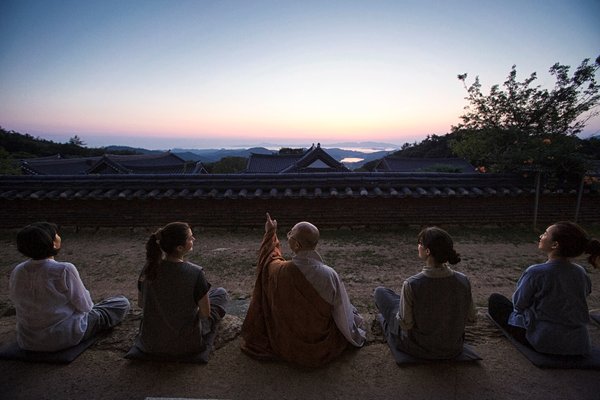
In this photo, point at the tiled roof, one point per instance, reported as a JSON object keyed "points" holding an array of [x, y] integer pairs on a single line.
{"points": [[57, 166], [314, 159], [105, 165], [409, 164], [263, 186], [152, 163], [270, 163]]}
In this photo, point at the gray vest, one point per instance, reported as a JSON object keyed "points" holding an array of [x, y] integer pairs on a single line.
{"points": [[171, 323], [440, 311]]}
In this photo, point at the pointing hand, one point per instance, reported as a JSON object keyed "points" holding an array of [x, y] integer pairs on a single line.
{"points": [[271, 224]]}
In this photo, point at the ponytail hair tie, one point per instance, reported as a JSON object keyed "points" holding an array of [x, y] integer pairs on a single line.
{"points": [[157, 236]]}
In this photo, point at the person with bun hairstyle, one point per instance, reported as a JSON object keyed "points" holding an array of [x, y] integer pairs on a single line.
{"points": [[549, 310], [428, 317], [54, 309], [180, 307]]}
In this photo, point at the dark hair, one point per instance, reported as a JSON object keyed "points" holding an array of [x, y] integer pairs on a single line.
{"points": [[440, 245], [164, 240], [37, 240], [573, 241]]}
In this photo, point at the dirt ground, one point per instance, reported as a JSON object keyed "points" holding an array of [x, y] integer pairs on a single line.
{"points": [[109, 262]]}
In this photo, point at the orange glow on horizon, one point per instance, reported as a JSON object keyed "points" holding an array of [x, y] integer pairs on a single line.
{"points": [[257, 131]]}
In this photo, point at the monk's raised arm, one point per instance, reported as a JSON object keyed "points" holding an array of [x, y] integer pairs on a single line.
{"points": [[270, 248]]}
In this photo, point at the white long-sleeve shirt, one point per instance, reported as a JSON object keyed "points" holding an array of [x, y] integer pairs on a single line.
{"points": [[51, 303]]}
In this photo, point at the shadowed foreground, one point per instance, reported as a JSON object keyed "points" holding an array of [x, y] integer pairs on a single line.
{"points": [[109, 262]]}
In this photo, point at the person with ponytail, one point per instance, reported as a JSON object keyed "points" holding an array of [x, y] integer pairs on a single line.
{"points": [[180, 307], [54, 309], [428, 317], [549, 310]]}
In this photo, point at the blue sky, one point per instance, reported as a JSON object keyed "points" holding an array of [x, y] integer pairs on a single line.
{"points": [[163, 74]]}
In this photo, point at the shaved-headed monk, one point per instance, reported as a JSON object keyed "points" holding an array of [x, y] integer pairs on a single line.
{"points": [[300, 311]]}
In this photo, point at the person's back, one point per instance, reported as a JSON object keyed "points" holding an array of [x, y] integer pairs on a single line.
{"points": [[549, 310], [440, 310], [428, 317], [299, 310], [303, 330], [180, 308], [54, 309], [171, 323], [50, 303], [557, 320]]}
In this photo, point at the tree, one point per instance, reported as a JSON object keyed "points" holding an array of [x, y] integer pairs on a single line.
{"points": [[8, 165], [433, 146], [26, 146], [227, 165], [290, 150], [524, 125], [591, 147], [368, 166], [76, 141]]}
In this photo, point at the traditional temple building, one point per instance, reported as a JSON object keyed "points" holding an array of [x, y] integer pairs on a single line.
{"points": [[110, 164], [312, 160]]}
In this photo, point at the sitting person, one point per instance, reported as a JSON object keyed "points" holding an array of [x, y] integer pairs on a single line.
{"points": [[54, 309], [428, 317], [550, 311], [180, 307], [300, 311]]}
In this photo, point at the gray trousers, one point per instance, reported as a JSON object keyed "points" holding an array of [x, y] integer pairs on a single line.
{"points": [[106, 314], [218, 301], [388, 303]]}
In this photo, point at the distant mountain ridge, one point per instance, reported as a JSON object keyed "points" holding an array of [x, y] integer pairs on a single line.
{"points": [[139, 150], [214, 155], [374, 146]]}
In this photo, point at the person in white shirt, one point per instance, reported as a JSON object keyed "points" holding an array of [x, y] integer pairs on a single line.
{"points": [[54, 309]]}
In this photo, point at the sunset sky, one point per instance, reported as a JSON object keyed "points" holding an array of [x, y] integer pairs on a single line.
{"points": [[165, 74]]}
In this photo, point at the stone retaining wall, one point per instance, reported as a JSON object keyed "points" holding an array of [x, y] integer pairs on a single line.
{"points": [[325, 212]]}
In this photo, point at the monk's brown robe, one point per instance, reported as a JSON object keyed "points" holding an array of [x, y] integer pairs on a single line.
{"points": [[287, 318]]}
